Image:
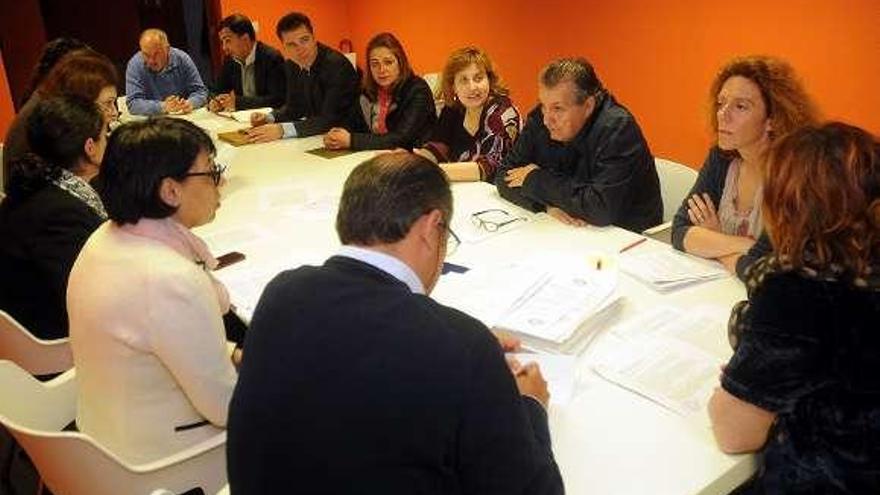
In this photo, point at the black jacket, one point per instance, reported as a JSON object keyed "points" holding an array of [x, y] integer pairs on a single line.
{"points": [[353, 384], [410, 119], [42, 235], [605, 175], [323, 96], [268, 75]]}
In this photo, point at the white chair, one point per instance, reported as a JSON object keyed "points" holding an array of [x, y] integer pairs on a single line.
{"points": [[72, 463], [36, 356], [676, 181]]}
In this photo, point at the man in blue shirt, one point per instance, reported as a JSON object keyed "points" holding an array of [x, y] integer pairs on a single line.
{"points": [[160, 79]]}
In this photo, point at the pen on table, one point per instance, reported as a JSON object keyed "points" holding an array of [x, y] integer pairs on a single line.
{"points": [[633, 244]]}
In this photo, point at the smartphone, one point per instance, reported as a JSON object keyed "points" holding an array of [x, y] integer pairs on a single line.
{"points": [[228, 259]]}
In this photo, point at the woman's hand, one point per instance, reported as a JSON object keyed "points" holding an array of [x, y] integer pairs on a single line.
{"points": [[337, 138], [701, 211]]}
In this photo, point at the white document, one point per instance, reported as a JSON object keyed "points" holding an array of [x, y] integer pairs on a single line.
{"points": [[667, 356], [668, 269], [245, 115], [558, 371]]}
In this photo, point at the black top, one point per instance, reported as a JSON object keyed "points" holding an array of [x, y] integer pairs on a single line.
{"points": [[411, 118], [605, 175], [499, 126], [711, 181], [269, 79], [353, 384], [809, 351], [321, 97], [42, 235]]}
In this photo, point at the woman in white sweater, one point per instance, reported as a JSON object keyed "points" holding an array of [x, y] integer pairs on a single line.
{"points": [[153, 366]]}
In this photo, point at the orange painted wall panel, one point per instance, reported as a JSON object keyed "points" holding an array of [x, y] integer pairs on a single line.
{"points": [[7, 111], [658, 57], [330, 18]]}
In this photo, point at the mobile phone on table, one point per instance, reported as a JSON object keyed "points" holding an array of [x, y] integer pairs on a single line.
{"points": [[229, 258]]}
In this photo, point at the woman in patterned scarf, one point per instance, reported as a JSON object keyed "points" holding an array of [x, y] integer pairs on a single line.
{"points": [[50, 211]]}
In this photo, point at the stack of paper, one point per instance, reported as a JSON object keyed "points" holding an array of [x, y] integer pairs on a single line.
{"points": [[667, 355], [667, 269], [551, 308]]}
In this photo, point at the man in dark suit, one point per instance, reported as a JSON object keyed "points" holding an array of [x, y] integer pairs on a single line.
{"points": [[253, 72], [355, 381], [322, 87], [581, 155]]}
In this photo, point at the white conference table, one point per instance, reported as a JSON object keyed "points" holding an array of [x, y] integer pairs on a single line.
{"points": [[278, 208]]}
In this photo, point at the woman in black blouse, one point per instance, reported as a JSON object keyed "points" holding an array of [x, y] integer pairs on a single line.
{"points": [[50, 211], [803, 384], [478, 123], [397, 105]]}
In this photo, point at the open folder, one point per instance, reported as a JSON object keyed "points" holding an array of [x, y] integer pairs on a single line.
{"points": [[235, 138]]}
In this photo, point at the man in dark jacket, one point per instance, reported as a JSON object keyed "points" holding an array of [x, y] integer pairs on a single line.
{"points": [[356, 381], [581, 156], [322, 87], [253, 72]]}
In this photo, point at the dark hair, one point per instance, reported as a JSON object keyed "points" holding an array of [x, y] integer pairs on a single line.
{"points": [[141, 154], [52, 53], [80, 74], [822, 197], [292, 21], [57, 131], [577, 70], [787, 103], [385, 195], [389, 41], [238, 24]]}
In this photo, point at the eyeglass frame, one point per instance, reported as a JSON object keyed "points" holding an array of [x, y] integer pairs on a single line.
{"points": [[216, 173], [452, 235], [490, 226]]}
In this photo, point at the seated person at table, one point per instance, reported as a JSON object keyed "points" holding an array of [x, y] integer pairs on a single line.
{"points": [[357, 382], [478, 123], [581, 156], [50, 212], [754, 100], [153, 368], [253, 72], [322, 87], [81, 73], [160, 79], [52, 53], [397, 105], [802, 385]]}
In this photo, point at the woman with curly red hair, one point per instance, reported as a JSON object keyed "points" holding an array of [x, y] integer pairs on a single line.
{"points": [[802, 384], [754, 101]]}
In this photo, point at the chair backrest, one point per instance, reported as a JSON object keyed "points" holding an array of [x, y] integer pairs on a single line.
{"points": [[72, 463], [676, 181], [37, 356]]}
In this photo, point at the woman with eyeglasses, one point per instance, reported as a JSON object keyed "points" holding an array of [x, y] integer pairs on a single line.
{"points": [[154, 370], [478, 123], [50, 211], [81, 73], [397, 105]]}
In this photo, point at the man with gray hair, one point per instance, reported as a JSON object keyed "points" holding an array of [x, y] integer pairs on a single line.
{"points": [[160, 79], [581, 156]]}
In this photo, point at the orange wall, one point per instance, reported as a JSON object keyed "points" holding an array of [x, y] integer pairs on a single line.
{"points": [[7, 111], [658, 57], [330, 18]]}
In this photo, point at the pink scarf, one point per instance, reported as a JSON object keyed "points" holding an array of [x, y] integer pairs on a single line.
{"points": [[181, 239], [384, 103]]}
